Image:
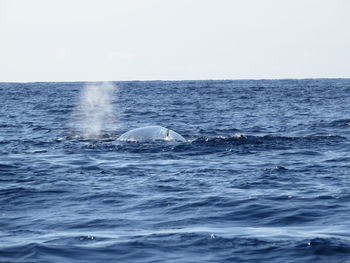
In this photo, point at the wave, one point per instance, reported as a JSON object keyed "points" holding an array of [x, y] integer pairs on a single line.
{"points": [[335, 123], [207, 244], [238, 142], [242, 138]]}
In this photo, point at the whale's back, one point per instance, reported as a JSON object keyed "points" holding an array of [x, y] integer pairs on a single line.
{"points": [[149, 133]]}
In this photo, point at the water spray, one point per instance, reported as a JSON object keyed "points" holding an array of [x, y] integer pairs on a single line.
{"points": [[94, 113]]}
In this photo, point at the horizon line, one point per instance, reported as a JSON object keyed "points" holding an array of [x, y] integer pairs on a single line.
{"points": [[172, 80]]}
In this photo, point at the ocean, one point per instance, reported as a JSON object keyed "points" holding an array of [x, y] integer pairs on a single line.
{"points": [[263, 176]]}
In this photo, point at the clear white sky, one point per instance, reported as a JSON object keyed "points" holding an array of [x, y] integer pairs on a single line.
{"points": [[71, 40]]}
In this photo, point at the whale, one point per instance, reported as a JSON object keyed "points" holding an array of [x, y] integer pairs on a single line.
{"points": [[151, 133]]}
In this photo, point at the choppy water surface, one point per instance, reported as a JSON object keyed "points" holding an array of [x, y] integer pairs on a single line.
{"points": [[264, 176]]}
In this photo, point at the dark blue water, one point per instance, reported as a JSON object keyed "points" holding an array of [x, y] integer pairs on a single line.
{"points": [[264, 176]]}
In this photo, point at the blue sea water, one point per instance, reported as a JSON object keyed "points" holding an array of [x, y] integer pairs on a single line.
{"points": [[263, 177]]}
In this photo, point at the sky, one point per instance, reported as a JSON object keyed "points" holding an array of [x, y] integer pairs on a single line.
{"points": [[106, 40]]}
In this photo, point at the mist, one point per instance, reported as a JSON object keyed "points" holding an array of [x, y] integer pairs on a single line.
{"points": [[94, 115]]}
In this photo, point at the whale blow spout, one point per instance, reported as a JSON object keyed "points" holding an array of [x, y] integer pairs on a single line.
{"points": [[151, 133]]}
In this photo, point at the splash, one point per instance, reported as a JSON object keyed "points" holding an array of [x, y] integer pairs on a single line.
{"points": [[94, 114]]}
